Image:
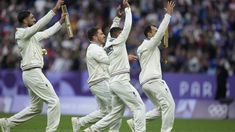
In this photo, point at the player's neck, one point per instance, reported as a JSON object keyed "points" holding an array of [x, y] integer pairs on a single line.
{"points": [[24, 25], [98, 43]]}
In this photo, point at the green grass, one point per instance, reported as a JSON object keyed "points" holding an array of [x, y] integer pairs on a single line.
{"points": [[38, 124]]}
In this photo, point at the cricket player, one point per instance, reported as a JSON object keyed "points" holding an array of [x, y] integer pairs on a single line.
{"points": [[151, 76], [28, 38], [97, 65], [123, 93]]}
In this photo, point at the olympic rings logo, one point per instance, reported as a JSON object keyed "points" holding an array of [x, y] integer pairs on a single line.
{"points": [[218, 110]]}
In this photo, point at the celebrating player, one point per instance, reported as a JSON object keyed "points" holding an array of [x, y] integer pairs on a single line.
{"points": [[151, 76], [40, 89], [124, 94], [97, 65]]}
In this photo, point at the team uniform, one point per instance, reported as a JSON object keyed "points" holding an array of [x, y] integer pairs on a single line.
{"points": [[39, 87], [97, 65], [151, 79], [123, 93]]}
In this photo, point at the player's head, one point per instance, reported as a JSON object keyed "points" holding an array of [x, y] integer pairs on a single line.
{"points": [[150, 31], [96, 35], [26, 18], [115, 31]]}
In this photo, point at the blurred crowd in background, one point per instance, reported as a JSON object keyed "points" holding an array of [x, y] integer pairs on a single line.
{"points": [[201, 33]]}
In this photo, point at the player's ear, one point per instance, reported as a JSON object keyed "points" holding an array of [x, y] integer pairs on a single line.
{"points": [[94, 37], [25, 21]]}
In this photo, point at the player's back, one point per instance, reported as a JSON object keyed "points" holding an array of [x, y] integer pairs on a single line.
{"points": [[149, 62], [149, 54]]}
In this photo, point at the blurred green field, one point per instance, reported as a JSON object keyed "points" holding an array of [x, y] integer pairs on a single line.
{"points": [[38, 124]]}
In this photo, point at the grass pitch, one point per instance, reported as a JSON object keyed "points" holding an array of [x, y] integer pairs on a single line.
{"points": [[38, 124]]}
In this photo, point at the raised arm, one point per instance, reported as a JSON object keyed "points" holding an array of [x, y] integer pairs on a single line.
{"points": [[127, 27], [116, 20], [48, 32], [52, 30], [30, 31], [156, 39]]}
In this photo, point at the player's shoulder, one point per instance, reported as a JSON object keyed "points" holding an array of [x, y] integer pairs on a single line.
{"points": [[139, 49], [142, 46], [94, 47], [19, 33], [90, 47], [109, 42]]}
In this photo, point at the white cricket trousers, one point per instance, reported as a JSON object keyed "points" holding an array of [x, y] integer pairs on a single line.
{"points": [[123, 93], [103, 97], [40, 90], [159, 93]]}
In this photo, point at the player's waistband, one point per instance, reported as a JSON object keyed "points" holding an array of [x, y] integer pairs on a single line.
{"points": [[31, 68], [97, 81], [119, 73], [150, 79]]}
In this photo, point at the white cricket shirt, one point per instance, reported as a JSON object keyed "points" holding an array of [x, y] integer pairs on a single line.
{"points": [[28, 40], [149, 54], [97, 64], [116, 50]]}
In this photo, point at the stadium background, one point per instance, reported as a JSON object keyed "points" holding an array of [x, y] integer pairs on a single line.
{"points": [[200, 69]]}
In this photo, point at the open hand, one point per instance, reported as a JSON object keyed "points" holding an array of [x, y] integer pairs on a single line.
{"points": [[125, 4], [170, 7]]}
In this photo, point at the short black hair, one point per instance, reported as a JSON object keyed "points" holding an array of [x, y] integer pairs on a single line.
{"points": [[92, 32], [114, 30], [22, 15], [148, 29]]}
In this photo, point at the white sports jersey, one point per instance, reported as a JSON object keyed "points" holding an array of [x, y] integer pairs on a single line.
{"points": [[97, 64], [149, 54], [28, 41], [116, 48]]}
